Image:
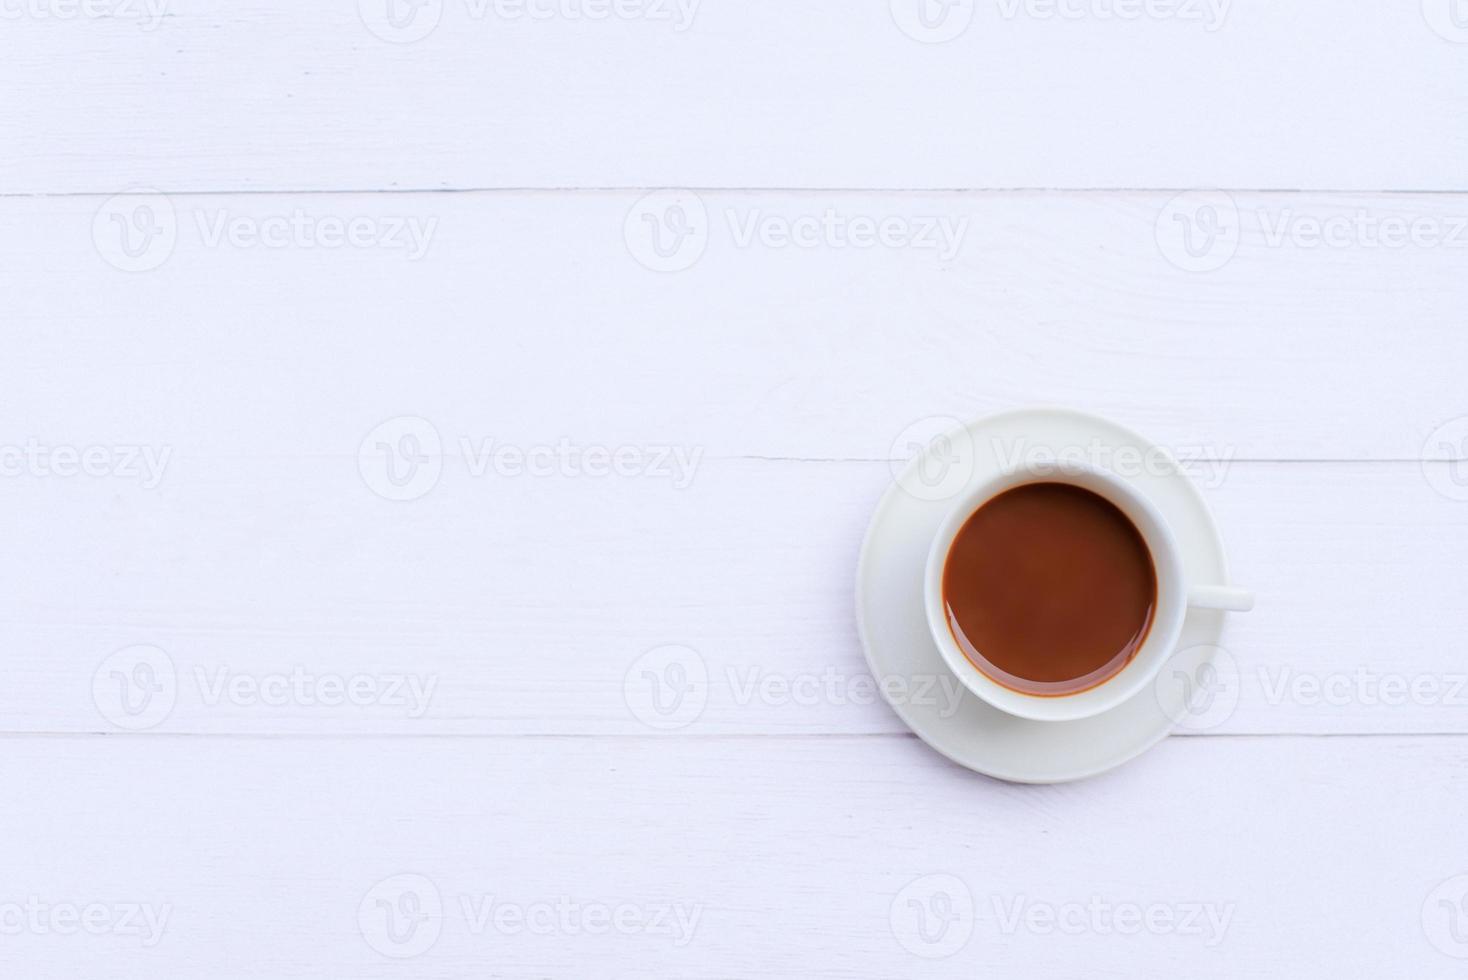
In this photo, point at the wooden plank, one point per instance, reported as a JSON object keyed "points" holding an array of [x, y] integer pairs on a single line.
{"points": [[270, 95], [726, 858], [533, 317], [289, 597]]}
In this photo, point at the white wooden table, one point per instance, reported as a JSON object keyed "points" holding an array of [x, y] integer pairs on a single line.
{"points": [[356, 456]]}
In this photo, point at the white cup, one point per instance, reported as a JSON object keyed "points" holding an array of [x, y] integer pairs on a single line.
{"points": [[1174, 596]]}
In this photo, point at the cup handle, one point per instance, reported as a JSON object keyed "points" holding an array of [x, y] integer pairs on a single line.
{"points": [[1224, 597]]}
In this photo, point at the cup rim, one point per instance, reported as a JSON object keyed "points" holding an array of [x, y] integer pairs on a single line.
{"points": [[1162, 635]]}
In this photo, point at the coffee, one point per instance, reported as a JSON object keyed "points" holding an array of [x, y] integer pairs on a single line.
{"points": [[1049, 589]]}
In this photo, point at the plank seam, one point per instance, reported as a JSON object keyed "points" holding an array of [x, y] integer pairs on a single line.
{"points": [[643, 189]]}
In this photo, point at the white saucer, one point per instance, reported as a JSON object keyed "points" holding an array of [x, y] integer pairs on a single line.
{"points": [[894, 631]]}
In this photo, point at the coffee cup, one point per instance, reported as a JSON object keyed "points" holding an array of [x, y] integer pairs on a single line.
{"points": [[1176, 593]]}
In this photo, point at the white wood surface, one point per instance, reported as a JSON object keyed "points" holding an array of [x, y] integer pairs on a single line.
{"points": [[528, 319], [1326, 94], [478, 641], [521, 605], [787, 854]]}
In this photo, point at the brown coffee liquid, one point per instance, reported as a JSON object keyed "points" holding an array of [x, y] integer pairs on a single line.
{"points": [[1049, 589]]}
